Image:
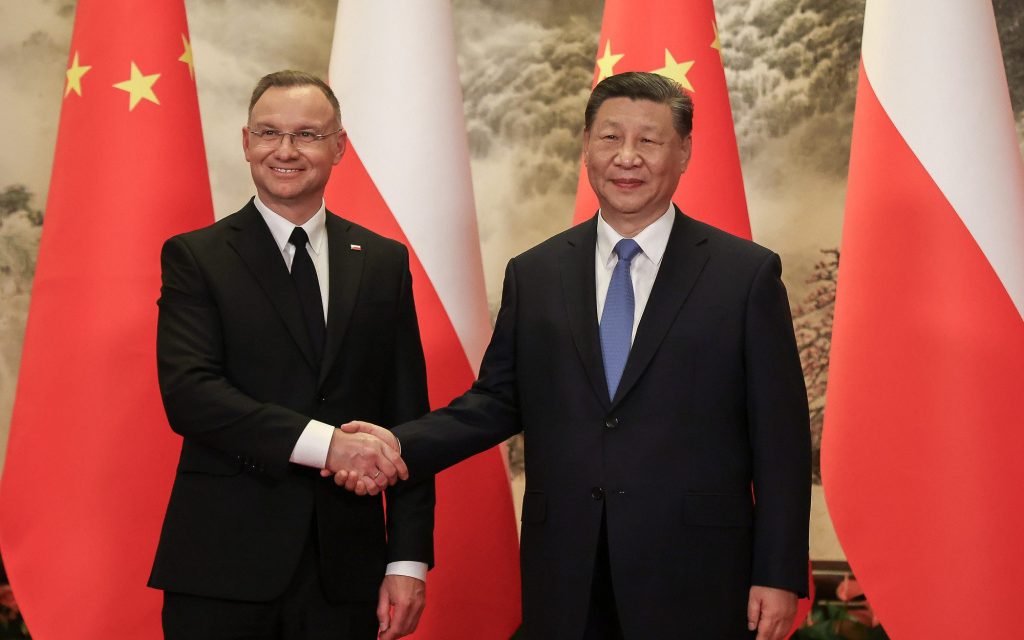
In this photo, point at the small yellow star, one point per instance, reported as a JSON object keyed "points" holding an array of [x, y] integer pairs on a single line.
{"points": [[139, 87], [186, 57], [74, 74], [716, 44], [676, 70], [606, 63]]}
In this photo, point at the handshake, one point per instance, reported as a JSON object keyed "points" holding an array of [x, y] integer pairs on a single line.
{"points": [[364, 458]]}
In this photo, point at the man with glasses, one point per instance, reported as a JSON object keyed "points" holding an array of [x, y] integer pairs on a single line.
{"points": [[276, 324]]}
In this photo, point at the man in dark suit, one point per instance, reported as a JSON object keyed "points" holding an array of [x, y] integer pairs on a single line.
{"points": [[277, 323], [650, 361]]}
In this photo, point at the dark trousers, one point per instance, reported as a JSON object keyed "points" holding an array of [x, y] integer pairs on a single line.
{"points": [[301, 613], [603, 617]]}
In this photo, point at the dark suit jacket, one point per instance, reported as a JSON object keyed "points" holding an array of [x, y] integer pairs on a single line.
{"points": [[712, 401], [239, 383]]}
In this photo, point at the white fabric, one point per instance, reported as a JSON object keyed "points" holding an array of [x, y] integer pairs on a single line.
{"points": [[416, 152], [409, 568], [313, 445], [954, 112]]}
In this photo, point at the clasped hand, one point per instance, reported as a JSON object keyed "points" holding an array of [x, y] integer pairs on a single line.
{"points": [[364, 458]]}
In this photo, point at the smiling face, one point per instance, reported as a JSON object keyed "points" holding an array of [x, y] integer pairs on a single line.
{"points": [[289, 179], [634, 159]]}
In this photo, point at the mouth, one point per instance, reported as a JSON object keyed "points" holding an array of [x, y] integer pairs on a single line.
{"points": [[283, 170], [627, 183]]}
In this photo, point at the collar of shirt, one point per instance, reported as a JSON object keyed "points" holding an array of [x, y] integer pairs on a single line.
{"points": [[281, 229], [652, 239]]}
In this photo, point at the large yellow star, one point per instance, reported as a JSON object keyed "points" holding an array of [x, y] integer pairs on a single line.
{"points": [[186, 57], [676, 70], [74, 74], [606, 63], [139, 87]]}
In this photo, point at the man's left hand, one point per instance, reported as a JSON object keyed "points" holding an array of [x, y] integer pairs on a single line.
{"points": [[771, 612], [400, 605]]}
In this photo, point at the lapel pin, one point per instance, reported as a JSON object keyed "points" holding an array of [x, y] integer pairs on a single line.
{"points": [[355, 247]]}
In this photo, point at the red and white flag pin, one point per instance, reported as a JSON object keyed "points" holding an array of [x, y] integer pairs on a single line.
{"points": [[355, 247]]}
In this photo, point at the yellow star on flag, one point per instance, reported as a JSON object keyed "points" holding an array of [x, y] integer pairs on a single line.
{"points": [[606, 63], [139, 87], [75, 73], [676, 70], [186, 57], [716, 44]]}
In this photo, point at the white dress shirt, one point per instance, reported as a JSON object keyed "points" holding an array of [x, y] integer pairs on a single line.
{"points": [[315, 441], [644, 269]]}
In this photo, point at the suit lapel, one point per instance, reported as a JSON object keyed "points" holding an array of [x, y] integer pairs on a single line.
{"points": [[684, 259], [580, 297], [256, 247], [346, 270]]}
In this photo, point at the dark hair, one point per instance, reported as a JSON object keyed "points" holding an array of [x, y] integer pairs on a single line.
{"points": [[639, 85], [290, 78]]}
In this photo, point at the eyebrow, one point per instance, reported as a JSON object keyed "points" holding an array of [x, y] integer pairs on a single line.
{"points": [[304, 127], [616, 123]]}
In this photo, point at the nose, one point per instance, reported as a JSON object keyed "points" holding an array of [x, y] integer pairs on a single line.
{"points": [[286, 147], [627, 155]]}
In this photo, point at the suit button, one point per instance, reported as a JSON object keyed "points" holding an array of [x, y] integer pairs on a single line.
{"points": [[611, 423], [322, 399], [597, 493]]}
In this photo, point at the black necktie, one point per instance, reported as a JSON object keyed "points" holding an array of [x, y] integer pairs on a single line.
{"points": [[304, 277]]}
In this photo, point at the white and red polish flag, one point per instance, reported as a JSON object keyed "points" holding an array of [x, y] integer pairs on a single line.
{"points": [[924, 433], [406, 175]]}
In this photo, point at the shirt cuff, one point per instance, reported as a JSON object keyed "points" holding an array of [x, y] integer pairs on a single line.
{"points": [[409, 568], [313, 445]]}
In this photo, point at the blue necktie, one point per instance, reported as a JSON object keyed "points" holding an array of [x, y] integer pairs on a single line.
{"points": [[617, 316]]}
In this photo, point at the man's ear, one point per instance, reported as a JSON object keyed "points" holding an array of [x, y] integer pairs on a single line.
{"points": [[245, 142], [687, 153], [342, 145]]}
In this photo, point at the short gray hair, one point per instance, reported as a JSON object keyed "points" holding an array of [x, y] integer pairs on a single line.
{"points": [[289, 78]]}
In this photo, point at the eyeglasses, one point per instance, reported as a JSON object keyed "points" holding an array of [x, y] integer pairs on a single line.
{"points": [[301, 139]]}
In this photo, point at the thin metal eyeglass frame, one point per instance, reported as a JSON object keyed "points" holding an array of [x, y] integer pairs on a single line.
{"points": [[296, 141]]}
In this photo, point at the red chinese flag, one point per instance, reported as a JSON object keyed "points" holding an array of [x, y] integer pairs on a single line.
{"points": [[91, 458], [406, 176], [679, 40], [922, 448]]}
